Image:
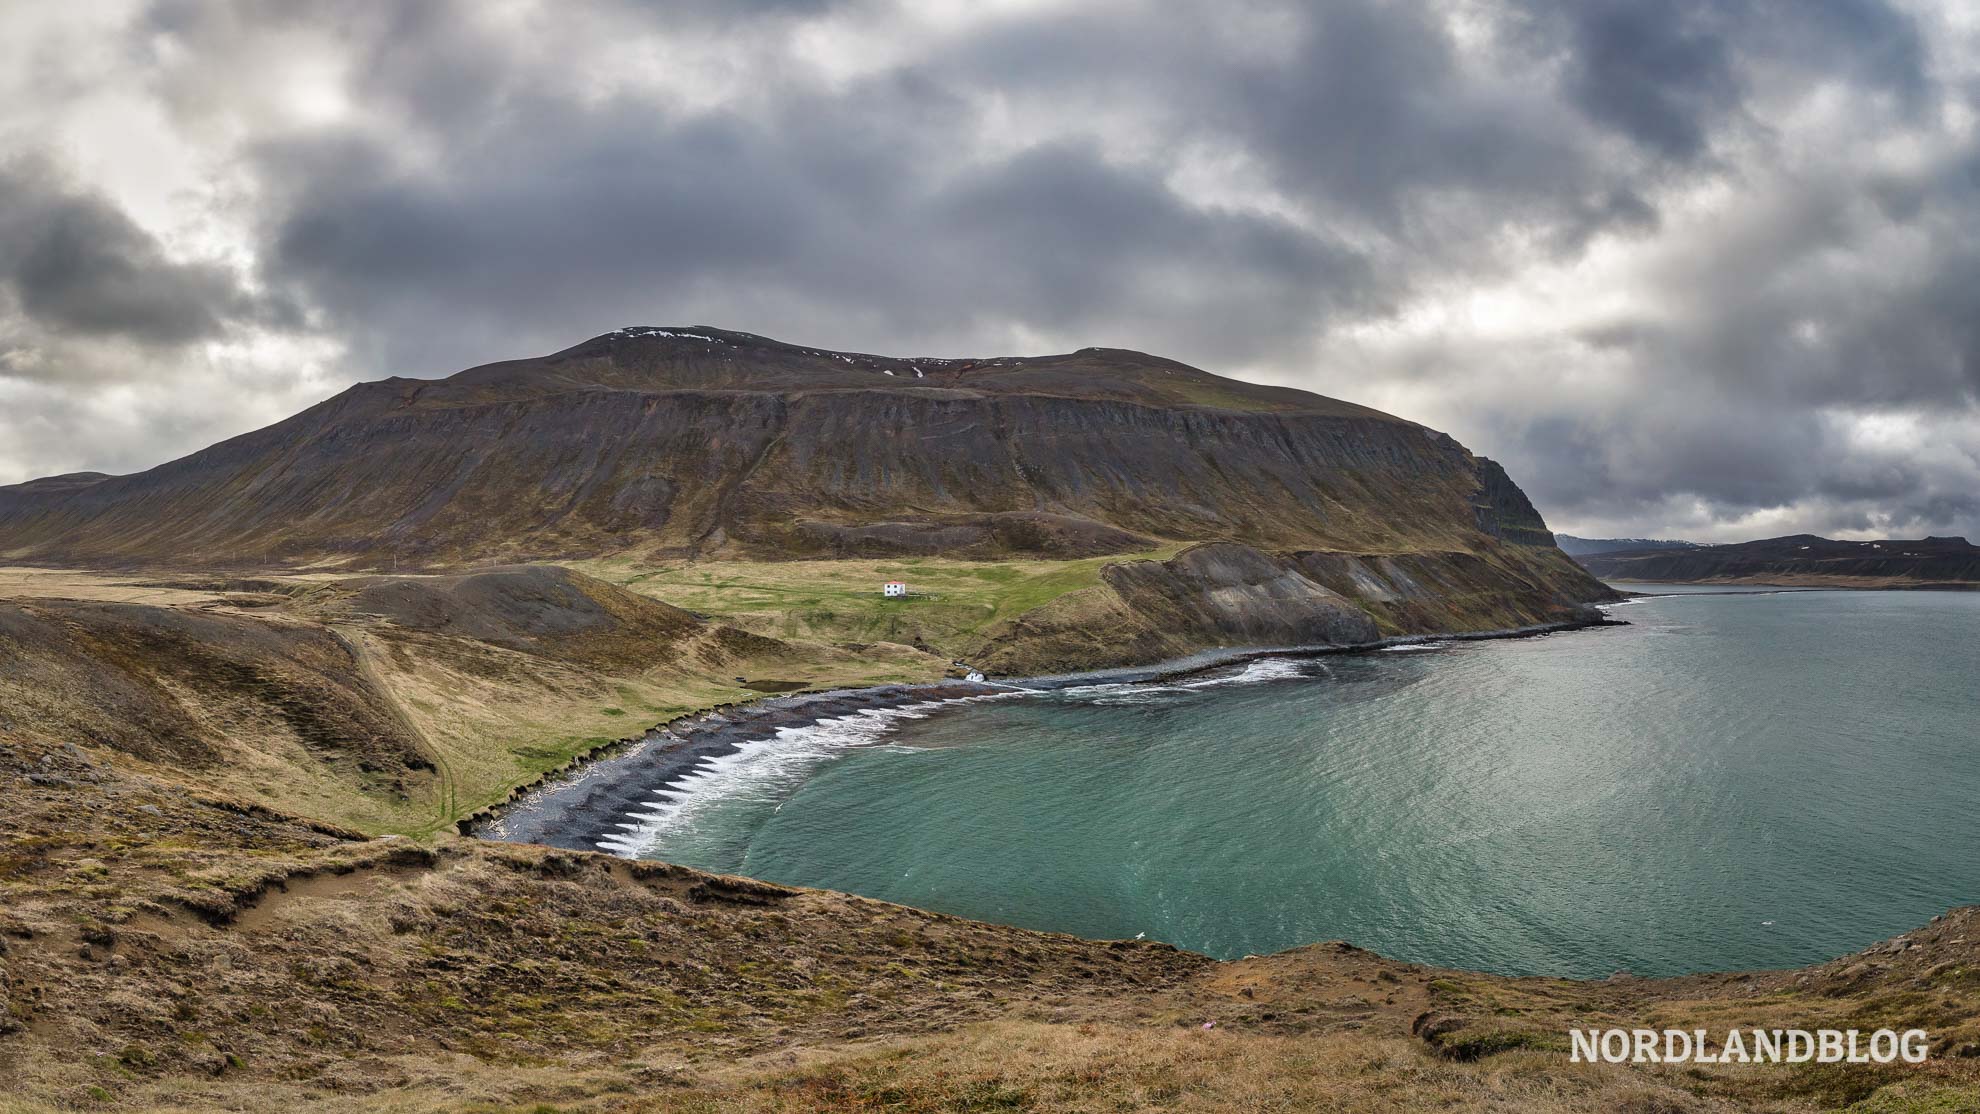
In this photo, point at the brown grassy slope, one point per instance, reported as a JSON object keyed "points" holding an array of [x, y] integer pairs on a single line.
{"points": [[733, 445], [158, 935], [386, 704], [163, 948], [541, 610], [183, 689]]}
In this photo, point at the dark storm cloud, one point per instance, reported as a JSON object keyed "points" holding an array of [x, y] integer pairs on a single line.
{"points": [[1060, 235], [74, 264], [856, 207], [1656, 71], [1663, 72], [1373, 111], [861, 210], [1684, 266], [1365, 113]]}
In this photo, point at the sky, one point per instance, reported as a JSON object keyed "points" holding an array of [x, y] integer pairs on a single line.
{"points": [[1699, 270]]}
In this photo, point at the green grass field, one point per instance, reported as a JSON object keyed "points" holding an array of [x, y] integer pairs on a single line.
{"points": [[952, 601]]}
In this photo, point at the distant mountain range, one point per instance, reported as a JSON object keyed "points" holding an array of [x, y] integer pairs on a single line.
{"points": [[1797, 560], [1577, 547]]}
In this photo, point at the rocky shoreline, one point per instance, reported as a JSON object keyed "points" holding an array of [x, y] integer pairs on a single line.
{"points": [[591, 798]]}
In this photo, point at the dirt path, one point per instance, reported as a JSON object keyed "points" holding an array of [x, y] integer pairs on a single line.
{"points": [[449, 809]]}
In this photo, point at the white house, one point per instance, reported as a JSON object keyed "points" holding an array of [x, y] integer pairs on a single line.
{"points": [[893, 588]]}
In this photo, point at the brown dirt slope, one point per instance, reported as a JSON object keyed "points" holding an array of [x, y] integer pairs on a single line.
{"points": [[388, 704], [179, 687], [537, 609]]}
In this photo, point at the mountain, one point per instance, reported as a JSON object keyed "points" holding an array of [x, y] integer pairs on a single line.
{"points": [[72, 481], [1581, 547], [661, 444], [1802, 559], [702, 441]]}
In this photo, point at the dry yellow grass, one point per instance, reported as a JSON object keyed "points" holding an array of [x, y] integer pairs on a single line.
{"points": [[495, 718], [1003, 1066], [20, 582], [1107, 1067], [485, 717]]}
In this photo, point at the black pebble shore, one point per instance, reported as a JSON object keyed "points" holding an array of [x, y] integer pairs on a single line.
{"points": [[592, 803]]}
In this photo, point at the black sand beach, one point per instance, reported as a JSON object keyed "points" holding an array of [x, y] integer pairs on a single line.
{"points": [[593, 798]]}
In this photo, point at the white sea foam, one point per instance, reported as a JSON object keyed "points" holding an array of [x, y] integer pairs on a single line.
{"points": [[763, 770], [1254, 672], [768, 770], [1143, 692]]}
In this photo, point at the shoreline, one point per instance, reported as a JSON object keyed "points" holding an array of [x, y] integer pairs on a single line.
{"points": [[596, 793], [1770, 588]]}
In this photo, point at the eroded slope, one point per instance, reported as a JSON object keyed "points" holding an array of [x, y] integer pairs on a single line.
{"points": [[390, 704]]}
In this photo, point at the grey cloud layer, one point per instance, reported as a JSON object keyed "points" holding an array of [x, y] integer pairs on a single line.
{"points": [[73, 264], [1753, 219]]}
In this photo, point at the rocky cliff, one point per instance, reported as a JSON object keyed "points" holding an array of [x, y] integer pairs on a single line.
{"points": [[1223, 594]]}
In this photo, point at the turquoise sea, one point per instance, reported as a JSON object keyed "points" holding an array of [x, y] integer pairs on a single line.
{"points": [[1734, 780]]}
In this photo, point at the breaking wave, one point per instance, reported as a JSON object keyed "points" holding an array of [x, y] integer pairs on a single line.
{"points": [[1144, 692], [765, 770]]}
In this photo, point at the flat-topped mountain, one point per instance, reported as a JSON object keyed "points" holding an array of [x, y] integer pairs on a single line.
{"points": [[700, 441], [1801, 559]]}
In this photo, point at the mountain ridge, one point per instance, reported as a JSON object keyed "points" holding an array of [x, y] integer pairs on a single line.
{"points": [[704, 441], [1578, 547], [1802, 560]]}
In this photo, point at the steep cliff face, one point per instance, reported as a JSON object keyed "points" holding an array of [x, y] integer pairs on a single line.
{"points": [[1504, 511], [1229, 595], [713, 443]]}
